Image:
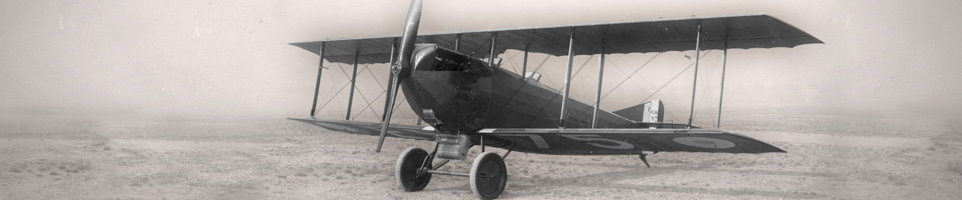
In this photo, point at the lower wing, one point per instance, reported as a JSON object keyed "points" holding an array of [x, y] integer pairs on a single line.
{"points": [[623, 141], [370, 128]]}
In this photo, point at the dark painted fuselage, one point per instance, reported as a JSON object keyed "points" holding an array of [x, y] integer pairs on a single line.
{"points": [[466, 95]]}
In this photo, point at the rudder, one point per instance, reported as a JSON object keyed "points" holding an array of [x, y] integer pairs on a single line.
{"points": [[653, 111]]}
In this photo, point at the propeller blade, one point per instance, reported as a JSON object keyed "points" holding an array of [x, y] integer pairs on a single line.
{"points": [[387, 116], [404, 61]]}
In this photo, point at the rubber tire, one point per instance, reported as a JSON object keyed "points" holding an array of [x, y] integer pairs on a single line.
{"points": [[406, 170], [489, 175]]}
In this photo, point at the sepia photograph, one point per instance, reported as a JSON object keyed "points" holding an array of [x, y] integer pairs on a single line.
{"points": [[459, 99]]}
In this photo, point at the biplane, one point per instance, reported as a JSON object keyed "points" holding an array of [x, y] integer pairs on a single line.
{"points": [[454, 83]]}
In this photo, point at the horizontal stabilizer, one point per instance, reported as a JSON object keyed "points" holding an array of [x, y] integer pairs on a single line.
{"points": [[624, 141]]}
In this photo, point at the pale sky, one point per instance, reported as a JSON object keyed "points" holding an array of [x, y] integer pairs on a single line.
{"points": [[232, 57]]}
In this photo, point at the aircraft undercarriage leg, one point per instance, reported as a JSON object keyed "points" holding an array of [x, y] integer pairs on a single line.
{"points": [[482, 144], [509, 151], [434, 170]]}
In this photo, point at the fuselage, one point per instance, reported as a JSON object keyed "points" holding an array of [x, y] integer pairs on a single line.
{"points": [[455, 93]]}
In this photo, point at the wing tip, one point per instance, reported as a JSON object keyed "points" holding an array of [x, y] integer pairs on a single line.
{"points": [[770, 148], [775, 149]]}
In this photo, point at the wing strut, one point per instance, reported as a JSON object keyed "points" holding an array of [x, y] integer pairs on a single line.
{"points": [[601, 76], [317, 85], [524, 65], [350, 98], [457, 43], [494, 39], [564, 101], [721, 94], [691, 111]]}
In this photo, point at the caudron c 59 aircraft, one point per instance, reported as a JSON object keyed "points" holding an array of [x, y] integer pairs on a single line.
{"points": [[455, 84]]}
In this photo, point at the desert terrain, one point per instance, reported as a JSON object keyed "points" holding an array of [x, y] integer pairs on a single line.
{"points": [[140, 157]]}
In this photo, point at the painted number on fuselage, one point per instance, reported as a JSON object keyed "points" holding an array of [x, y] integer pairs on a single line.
{"points": [[598, 141]]}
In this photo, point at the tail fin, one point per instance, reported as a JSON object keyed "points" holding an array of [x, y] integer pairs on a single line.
{"points": [[653, 111]]}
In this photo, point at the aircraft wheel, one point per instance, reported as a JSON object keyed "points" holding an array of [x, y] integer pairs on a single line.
{"points": [[488, 176], [406, 171]]}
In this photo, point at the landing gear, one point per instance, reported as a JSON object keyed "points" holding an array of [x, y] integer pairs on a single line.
{"points": [[488, 176], [411, 170]]}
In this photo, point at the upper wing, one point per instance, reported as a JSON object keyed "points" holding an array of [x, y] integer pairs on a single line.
{"points": [[623, 141], [661, 35], [369, 128]]}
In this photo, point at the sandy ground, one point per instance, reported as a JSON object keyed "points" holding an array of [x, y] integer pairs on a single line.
{"points": [[830, 157]]}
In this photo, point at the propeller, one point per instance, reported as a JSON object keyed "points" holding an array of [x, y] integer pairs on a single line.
{"points": [[404, 61]]}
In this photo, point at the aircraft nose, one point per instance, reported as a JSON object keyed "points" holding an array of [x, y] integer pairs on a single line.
{"points": [[423, 58]]}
